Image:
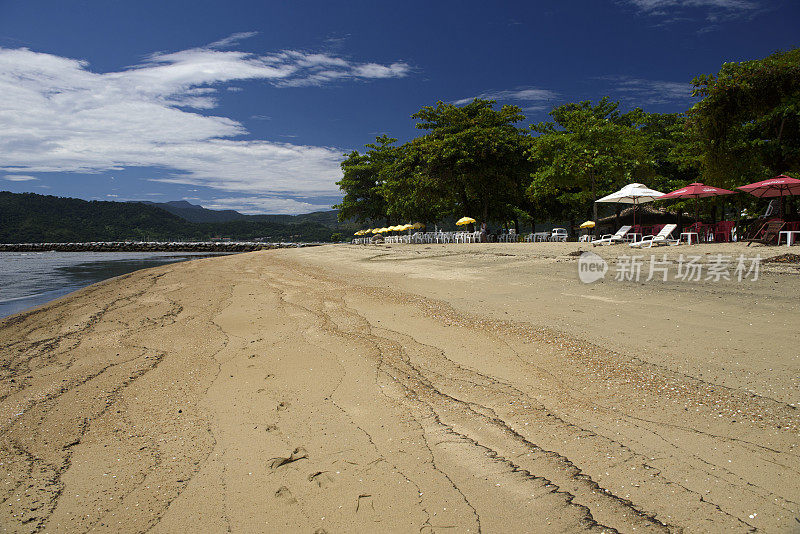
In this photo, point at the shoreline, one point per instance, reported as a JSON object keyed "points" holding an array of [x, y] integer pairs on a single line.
{"points": [[473, 386]]}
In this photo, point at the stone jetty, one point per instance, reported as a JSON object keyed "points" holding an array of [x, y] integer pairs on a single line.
{"points": [[149, 246]]}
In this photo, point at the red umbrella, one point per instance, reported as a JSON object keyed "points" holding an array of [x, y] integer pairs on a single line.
{"points": [[697, 190], [774, 187]]}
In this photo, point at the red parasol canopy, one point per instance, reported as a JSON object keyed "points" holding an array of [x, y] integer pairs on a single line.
{"points": [[697, 190], [774, 187]]}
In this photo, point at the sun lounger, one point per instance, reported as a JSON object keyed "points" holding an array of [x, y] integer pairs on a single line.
{"points": [[768, 233], [610, 239], [664, 237]]}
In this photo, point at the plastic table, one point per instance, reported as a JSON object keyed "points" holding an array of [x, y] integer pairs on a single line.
{"points": [[790, 236]]}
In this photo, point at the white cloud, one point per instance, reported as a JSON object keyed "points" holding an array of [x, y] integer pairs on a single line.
{"points": [[656, 5], [19, 178], [57, 115], [529, 94], [257, 205], [639, 91], [232, 39], [713, 10]]}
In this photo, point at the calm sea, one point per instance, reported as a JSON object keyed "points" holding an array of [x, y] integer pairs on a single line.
{"points": [[28, 279]]}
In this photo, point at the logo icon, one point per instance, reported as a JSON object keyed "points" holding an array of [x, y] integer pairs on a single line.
{"points": [[591, 267]]}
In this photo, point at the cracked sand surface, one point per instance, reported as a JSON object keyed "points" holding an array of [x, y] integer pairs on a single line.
{"points": [[275, 392]]}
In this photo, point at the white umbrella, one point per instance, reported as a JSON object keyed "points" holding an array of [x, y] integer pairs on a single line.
{"points": [[632, 194]]}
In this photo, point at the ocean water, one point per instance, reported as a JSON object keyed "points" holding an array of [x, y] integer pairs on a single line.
{"points": [[28, 279]]}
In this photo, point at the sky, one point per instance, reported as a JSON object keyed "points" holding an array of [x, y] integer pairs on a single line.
{"points": [[250, 105]]}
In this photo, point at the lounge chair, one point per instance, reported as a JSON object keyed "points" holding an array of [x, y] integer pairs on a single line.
{"points": [[610, 239], [768, 233], [664, 237]]}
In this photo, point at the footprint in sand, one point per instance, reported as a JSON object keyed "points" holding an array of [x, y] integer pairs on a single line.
{"points": [[298, 454], [286, 495], [282, 406], [320, 478], [364, 503]]}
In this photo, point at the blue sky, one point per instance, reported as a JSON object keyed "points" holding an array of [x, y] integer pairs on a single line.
{"points": [[249, 105]]}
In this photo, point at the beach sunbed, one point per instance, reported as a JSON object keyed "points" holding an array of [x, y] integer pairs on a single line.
{"points": [[768, 233], [610, 239], [664, 237]]}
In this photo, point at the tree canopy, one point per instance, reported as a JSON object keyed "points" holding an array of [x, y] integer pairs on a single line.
{"points": [[480, 160], [748, 121]]}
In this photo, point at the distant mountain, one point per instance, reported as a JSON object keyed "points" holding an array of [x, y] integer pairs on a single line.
{"points": [[195, 213], [28, 217]]}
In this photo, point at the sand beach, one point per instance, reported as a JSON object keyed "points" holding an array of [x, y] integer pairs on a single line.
{"points": [[407, 388]]}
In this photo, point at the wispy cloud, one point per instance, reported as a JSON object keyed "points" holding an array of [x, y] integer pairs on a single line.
{"points": [[57, 115], [232, 39], [19, 178], [682, 10], [529, 94], [638, 91], [256, 205]]}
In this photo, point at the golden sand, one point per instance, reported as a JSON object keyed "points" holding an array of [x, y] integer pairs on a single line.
{"points": [[405, 388]]}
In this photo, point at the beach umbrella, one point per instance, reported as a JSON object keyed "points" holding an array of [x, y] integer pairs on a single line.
{"points": [[417, 225], [774, 187], [696, 191], [632, 194], [588, 224], [464, 221]]}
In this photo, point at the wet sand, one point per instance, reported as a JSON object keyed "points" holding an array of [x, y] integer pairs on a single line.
{"points": [[430, 388]]}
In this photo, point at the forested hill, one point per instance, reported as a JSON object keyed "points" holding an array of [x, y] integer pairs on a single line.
{"points": [[32, 218], [194, 213]]}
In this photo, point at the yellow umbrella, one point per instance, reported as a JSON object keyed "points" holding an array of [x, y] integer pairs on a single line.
{"points": [[375, 230], [406, 227], [358, 232], [588, 224], [393, 228], [417, 225], [465, 220]]}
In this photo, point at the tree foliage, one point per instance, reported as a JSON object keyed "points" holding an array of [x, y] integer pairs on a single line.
{"points": [[478, 160], [362, 181], [747, 124], [474, 153], [584, 153]]}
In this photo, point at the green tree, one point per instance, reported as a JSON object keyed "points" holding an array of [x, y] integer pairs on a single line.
{"points": [[362, 181], [410, 192], [585, 152], [748, 121], [473, 155]]}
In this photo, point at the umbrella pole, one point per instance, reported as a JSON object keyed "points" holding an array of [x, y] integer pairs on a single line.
{"points": [[697, 210]]}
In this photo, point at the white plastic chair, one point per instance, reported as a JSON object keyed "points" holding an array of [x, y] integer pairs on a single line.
{"points": [[559, 234]]}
